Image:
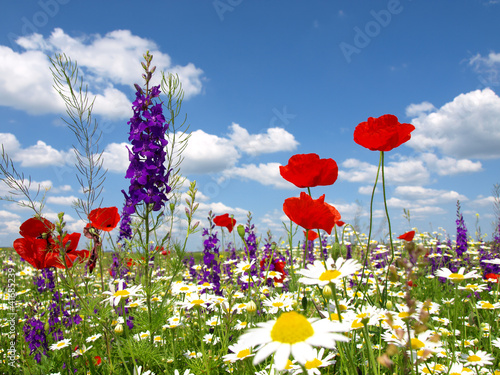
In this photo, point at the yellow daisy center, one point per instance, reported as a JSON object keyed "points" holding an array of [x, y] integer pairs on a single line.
{"points": [[416, 344], [315, 363], [474, 358], [278, 304], [455, 373], [487, 305], [197, 302], [61, 344], [245, 268], [184, 289], [243, 353], [122, 293], [291, 328], [456, 276], [329, 275]]}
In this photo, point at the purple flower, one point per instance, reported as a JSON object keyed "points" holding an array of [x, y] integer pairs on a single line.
{"points": [[461, 247]]}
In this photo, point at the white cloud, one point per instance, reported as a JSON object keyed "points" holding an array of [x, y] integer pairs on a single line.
{"points": [[274, 140], [483, 201], [63, 201], [467, 127], [449, 166], [409, 171], [115, 157], [419, 109], [9, 143], [488, 68], [106, 61], [8, 215], [208, 153], [42, 155], [429, 196], [266, 174]]}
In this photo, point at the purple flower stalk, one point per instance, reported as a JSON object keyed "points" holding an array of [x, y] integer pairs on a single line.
{"points": [[461, 246], [147, 173]]}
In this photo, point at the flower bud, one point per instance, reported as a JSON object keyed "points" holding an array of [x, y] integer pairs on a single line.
{"points": [[241, 231], [251, 307], [327, 292], [389, 305], [119, 329]]}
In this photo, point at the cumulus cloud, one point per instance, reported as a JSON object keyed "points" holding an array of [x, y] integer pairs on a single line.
{"points": [[266, 174], [428, 196], [274, 140], [409, 171], [63, 201], [467, 127], [106, 61], [115, 157], [418, 109], [449, 166], [488, 68]]}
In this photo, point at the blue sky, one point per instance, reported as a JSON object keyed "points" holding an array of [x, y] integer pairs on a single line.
{"points": [[265, 81]]}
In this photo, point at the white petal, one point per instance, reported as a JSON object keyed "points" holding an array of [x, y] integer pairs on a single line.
{"points": [[281, 356], [265, 352]]}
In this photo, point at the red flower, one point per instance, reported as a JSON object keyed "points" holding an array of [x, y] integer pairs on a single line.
{"points": [[311, 235], [383, 133], [97, 360], [311, 213], [278, 267], [411, 283], [308, 170], [105, 219], [225, 221], [38, 248], [492, 276], [340, 223], [408, 236]]}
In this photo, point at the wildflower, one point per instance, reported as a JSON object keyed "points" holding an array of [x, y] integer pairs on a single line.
{"points": [[244, 266], [311, 213], [142, 335], [61, 344], [308, 170], [479, 358], [458, 276], [277, 303], [225, 221], [187, 372], [459, 369], [105, 219], [408, 236], [239, 352], [431, 368], [78, 352], [195, 300], [318, 361], [115, 295], [317, 274], [292, 333], [383, 133], [93, 338], [138, 371]]}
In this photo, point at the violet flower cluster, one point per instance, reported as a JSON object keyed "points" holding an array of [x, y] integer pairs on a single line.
{"points": [[147, 173], [461, 246], [212, 270]]}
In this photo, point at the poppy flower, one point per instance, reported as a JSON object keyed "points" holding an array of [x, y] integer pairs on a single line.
{"points": [[408, 236], [36, 227], [492, 276], [340, 223], [105, 219], [311, 235], [277, 266], [308, 170], [225, 221], [383, 133], [311, 213]]}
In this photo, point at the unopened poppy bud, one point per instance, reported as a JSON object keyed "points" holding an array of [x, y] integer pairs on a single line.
{"points": [[251, 307], [327, 291], [172, 207], [241, 231], [119, 329]]}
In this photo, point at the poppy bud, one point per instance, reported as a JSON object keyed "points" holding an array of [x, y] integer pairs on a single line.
{"points": [[241, 231]]}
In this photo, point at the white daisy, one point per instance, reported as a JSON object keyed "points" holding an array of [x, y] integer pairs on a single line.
{"points": [[61, 344], [456, 276], [93, 338], [239, 352], [292, 333], [115, 295], [335, 271], [479, 358]]}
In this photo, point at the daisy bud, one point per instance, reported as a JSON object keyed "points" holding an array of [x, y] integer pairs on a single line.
{"points": [[262, 297], [119, 329], [389, 305], [251, 307], [327, 291]]}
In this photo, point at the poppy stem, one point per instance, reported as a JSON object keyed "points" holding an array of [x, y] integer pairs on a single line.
{"points": [[384, 297]]}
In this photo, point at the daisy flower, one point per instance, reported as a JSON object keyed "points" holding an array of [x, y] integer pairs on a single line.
{"points": [[459, 369], [335, 271], [292, 333], [487, 305], [187, 372], [431, 368], [239, 352], [138, 371], [318, 361], [115, 295], [479, 358], [79, 351], [60, 344], [195, 300], [456, 276], [244, 266], [93, 338], [142, 335], [496, 343], [278, 303]]}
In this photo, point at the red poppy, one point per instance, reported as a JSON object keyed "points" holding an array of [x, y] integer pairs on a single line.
{"points": [[97, 360], [308, 170], [278, 267], [492, 276], [225, 221], [408, 236], [411, 283], [383, 133], [340, 223], [105, 219], [311, 213], [311, 235], [38, 248]]}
